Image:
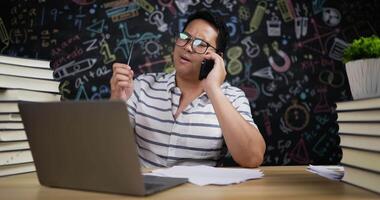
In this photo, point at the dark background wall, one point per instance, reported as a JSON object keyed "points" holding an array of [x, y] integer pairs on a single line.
{"points": [[285, 54]]}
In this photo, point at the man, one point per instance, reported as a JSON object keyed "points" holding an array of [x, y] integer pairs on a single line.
{"points": [[181, 120]]}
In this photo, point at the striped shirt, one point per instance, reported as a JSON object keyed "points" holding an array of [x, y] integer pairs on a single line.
{"points": [[193, 138]]}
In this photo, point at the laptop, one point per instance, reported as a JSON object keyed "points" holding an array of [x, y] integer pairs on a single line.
{"points": [[87, 145]]}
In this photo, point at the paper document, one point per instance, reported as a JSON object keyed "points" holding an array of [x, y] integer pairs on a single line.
{"points": [[206, 175], [332, 172]]}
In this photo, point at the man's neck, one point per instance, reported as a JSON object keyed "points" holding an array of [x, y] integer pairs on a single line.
{"points": [[188, 86]]}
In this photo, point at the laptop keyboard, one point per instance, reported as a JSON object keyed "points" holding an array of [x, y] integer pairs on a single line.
{"points": [[158, 183], [152, 182], [149, 186]]}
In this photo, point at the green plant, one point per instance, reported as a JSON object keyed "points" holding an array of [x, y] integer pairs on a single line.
{"points": [[364, 47]]}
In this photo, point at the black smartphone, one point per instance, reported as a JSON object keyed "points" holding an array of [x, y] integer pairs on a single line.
{"points": [[206, 67]]}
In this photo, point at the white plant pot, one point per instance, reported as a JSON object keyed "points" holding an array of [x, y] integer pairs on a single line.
{"points": [[364, 78]]}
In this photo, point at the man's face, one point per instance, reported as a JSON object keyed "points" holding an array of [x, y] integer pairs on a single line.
{"points": [[186, 61]]}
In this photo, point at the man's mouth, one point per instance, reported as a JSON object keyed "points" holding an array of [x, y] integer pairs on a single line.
{"points": [[184, 59]]}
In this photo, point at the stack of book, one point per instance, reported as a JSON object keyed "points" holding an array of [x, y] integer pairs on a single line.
{"points": [[20, 80], [359, 129]]}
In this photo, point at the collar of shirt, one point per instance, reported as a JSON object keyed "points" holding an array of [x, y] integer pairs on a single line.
{"points": [[171, 84], [172, 87]]}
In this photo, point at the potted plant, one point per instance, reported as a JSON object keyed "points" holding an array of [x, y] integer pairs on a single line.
{"points": [[362, 59]]}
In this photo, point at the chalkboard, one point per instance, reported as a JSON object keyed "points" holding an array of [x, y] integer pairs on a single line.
{"points": [[285, 54]]}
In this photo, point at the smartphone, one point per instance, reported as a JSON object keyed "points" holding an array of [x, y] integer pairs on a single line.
{"points": [[206, 67]]}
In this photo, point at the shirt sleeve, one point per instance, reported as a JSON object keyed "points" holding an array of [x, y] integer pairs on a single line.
{"points": [[132, 102], [241, 104]]}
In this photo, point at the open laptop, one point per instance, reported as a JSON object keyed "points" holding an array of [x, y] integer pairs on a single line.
{"points": [[87, 145]]}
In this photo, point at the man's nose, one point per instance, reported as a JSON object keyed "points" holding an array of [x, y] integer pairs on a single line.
{"points": [[189, 46]]}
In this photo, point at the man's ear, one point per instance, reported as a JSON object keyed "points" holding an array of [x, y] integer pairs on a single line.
{"points": [[221, 54]]}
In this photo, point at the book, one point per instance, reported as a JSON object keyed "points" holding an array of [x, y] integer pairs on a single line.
{"points": [[12, 135], [8, 107], [366, 179], [11, 125], [369, 160], [10, 117], [364, 142], [15, 157], [11, 146], [7, 170], [359, 116], [25, 62], [362, 104], [26, 71], [26, 95], [33, 84], [360, 128]]}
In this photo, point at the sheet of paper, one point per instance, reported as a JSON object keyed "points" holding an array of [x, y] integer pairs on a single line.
{"points": [[206, 175], [332, 172]]}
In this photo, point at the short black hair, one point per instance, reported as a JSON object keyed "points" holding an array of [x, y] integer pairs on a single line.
{"points": [[217, 22]]}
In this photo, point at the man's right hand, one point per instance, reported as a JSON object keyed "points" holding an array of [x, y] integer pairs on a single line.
{"points": [[121, 82]]}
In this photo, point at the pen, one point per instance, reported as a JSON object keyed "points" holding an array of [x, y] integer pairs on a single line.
{"points": [[130, 54]]}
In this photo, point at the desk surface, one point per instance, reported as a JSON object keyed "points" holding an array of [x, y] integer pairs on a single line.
{"points": [[280, 183]]}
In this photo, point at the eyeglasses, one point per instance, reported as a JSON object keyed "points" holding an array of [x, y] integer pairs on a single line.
{"points": [[198, 45]]}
